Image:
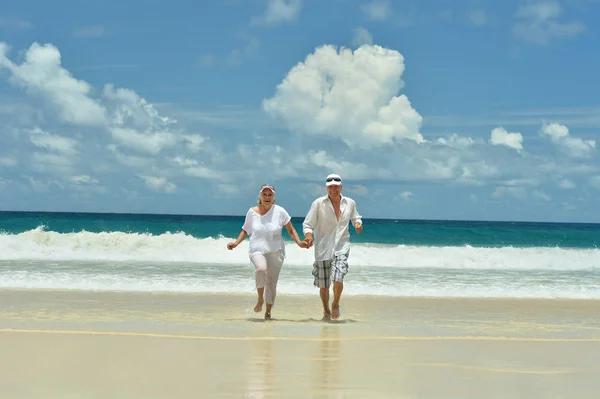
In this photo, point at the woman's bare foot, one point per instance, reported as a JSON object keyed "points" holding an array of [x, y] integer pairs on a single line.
{"points": [[326, 316], [335, 310], [258, 307], [268, 316]]}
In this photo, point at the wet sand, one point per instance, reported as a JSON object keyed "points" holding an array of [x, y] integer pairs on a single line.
{"points": [[123, 345]]}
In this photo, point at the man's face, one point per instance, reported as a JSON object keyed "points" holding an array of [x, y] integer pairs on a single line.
{"points": [[334, 189]]}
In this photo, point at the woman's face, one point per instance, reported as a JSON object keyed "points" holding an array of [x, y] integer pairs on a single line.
{"points": [[266, 197]]}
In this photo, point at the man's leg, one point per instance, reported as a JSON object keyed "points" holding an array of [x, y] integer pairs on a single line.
{"points": [[260, 275], [339, 269], [322, 274], [324, 293], [338, 287]]}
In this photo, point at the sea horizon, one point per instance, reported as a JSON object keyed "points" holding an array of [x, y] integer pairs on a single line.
{"points": [[222, 215]]}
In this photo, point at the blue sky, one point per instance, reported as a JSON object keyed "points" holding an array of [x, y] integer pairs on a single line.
{"points": [[434, 109]]}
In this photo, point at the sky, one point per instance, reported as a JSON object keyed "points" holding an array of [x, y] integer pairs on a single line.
{"points": [[429, 109]]}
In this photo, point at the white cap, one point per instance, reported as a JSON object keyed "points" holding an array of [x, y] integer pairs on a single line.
{"points": [[333, 179]]}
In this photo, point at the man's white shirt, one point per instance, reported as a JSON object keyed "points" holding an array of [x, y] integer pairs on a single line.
{"points": [[331, 236]]}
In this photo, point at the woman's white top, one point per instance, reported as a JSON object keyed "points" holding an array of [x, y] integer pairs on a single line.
{"points": [[265, 230]]}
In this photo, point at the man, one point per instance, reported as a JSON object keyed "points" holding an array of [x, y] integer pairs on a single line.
{"points": [[326, 225]]}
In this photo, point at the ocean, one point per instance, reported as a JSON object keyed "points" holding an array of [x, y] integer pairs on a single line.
{"points": [[184, 253]]}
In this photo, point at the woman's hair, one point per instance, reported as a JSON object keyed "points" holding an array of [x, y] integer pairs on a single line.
{"points": [[260, 202]]}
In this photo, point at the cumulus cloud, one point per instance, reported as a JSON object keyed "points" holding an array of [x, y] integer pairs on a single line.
{"points": [[159, 184], [41, 73], [571, 146], [351, 95], [538, 23], [63, 145], [278, 12], [501, 136]]}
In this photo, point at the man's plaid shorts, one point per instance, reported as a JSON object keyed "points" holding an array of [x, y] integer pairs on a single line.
{"points": [[326, 271]]}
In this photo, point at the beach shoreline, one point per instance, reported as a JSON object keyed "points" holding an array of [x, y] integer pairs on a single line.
{"points": [[172, 345]]}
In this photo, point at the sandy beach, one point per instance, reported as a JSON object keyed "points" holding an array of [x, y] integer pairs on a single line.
{"points": [[70, 344]]}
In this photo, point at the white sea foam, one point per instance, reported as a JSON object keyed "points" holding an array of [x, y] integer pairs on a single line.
{"points": [[39, 244]]}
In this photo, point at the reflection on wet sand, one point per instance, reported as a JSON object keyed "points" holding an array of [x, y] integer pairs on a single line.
{"points": [[260, 370], [327, 363]]}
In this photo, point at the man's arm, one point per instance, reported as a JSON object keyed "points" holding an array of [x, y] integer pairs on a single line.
{"points": [[356, 219], [309, 223]]}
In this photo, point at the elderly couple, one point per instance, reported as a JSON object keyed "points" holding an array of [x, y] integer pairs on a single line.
{"points": [[325, 225]]}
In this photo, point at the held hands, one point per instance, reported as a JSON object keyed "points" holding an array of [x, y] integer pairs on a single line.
{"points": [[308, 239], [303, 244], [358, 227]]}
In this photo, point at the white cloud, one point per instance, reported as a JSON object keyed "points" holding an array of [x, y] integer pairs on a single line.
{"points": [[329, 164], [41, 73], [456, 141], [566, 184], [159, 184], [151, 143], [407, 195], [131, 161], [279, 12], [128, 108], [502, 191], [361, 37], [52, 142], [52, 163], [194, 142], [202, 172], [351, 95], [83, 179], [541, 194], [184, 162], [572, 146], [7, 161], [357, 189], [501, 136], [538, 23], [377, 10], [477, 17]]}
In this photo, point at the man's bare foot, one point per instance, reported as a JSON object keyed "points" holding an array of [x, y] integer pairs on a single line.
{"points": [[335, 310], [326, 316], [258, 307], [268, 316]]}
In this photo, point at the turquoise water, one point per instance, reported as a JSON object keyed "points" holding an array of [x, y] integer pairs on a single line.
{"points": [[178, 253], [380, 231]]}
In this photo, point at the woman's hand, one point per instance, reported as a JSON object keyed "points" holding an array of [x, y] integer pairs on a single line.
{"points": [[302, 244], [231, 245]]}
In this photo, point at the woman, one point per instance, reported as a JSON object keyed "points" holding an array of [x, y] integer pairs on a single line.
{"points": [[267, 250]]}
